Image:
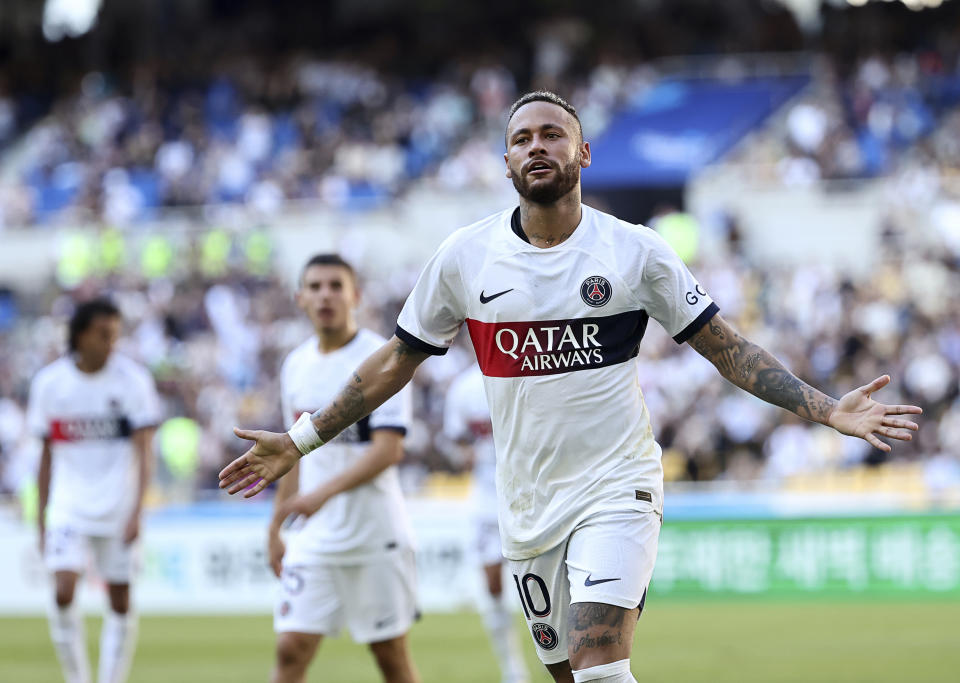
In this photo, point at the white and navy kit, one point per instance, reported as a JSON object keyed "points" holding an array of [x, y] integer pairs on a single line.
{"points": [[89, 419], [466, 416], [350, 563], [557, 332]]}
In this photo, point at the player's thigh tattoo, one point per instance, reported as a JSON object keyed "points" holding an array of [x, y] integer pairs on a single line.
{"points": [[596, 625]]}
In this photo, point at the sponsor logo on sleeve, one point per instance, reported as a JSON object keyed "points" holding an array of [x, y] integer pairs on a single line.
{"points": [[692, 298]]}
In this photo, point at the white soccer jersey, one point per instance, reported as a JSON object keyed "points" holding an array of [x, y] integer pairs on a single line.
{"points": [[556, 333], [89, 418], [466, 415], [366, 520]]}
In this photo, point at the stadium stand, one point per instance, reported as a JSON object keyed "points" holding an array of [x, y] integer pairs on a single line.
{"points": [[135, 145]]}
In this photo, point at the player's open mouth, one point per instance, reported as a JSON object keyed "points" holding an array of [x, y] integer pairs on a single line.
{"points": [[538, 168]]}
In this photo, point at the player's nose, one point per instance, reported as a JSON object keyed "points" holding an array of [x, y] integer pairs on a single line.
{"points": [[537, 147]]}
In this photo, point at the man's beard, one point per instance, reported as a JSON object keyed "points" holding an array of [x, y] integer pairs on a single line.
{"points": [[565, 179]]}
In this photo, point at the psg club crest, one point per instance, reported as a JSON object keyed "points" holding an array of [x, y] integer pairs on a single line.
{"points": [[545, 636], [596, 291]]}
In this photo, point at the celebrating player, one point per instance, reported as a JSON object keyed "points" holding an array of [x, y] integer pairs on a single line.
{"points": [[95, 411], [466, 420], [556, 296], [350, 561]]}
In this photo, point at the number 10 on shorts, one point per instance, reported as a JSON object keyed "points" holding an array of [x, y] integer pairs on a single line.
{"points": [[528, 599]]}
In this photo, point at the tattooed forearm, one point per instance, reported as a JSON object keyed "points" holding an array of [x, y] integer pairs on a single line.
{"points": [[754, 369], [347, 408], [745, 369], [378, 378], [778, 386]]}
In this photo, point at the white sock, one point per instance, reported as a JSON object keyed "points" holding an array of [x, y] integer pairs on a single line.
{"points": [[506, 647], [614, 672], [66, 632], [117, 639]]}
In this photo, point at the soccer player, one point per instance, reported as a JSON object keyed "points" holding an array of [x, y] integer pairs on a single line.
{"points": [[350, 560], [556, 297], [466, 420], [95, 411]]}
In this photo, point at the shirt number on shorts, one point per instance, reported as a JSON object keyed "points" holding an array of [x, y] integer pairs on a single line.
{"points": [[526, 599]]}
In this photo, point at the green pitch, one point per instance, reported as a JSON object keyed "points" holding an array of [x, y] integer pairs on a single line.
{"points": [[711, 642]]}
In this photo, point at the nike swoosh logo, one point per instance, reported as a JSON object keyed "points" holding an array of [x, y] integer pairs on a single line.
{"points": [[593, 582], [488, 299]]}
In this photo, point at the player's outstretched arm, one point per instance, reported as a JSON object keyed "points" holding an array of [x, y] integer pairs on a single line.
{"points": [[753, 369], [272, 455]]}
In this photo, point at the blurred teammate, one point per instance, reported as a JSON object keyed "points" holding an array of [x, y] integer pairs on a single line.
{"points": [[350, 561], [466, 420], [95, 411], [556, 297]]}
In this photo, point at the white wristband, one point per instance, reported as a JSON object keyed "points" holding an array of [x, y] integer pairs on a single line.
{"points": [[304, 434]]}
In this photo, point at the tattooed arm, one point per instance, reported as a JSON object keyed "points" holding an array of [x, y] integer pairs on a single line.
{"points": [[753, 369], [378, 378]]}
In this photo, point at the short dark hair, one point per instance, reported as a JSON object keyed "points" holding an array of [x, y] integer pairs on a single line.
{"points": [[328, 260], [84, 315], [550, 98]]}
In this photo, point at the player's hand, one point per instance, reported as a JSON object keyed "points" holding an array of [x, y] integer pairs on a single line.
{"points": [[132, 530], [305, 504], [856, 414], [272, 455], [275, 551]]}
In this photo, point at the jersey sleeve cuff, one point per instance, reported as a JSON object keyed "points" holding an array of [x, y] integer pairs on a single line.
{"points": [[402, 431], [697, 323], [418, 344]]}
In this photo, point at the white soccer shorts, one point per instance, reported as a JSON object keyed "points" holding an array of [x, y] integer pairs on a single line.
{"points": [[376, 600], [608, 558], [66, 549]]}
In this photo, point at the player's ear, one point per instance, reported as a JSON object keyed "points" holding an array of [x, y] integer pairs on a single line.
{"points": [[506, 160], [584, 154]]}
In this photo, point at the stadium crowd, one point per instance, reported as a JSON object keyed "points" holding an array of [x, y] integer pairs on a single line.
{"points": [[215, 344], [116, 149]]}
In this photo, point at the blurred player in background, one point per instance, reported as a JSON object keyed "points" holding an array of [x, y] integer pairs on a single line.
{"points": [[557, 296], [349, 561], [466, 420], [95, 411]]}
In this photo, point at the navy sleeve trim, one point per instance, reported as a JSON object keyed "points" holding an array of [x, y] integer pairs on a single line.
{"points": [[402, 431], [698, 323], [418, 343]]}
